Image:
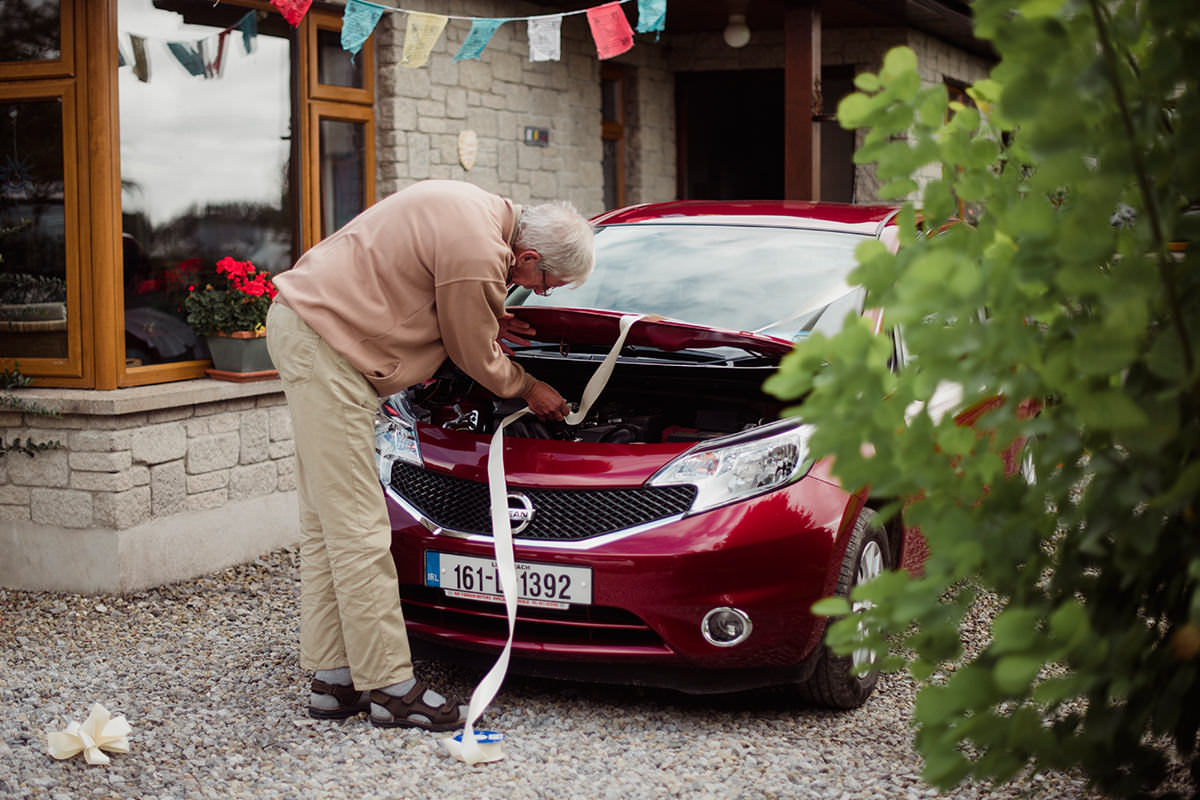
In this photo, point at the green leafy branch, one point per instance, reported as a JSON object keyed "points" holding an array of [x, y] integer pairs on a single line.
{"points": [[14, 379], [1035, 276]]}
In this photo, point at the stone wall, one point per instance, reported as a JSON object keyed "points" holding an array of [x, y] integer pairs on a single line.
{"points": [[420, 112], [117, 472], [937, 62], [136, 468]]}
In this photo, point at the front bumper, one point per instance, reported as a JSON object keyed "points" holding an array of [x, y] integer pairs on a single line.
{"points": [[771, 556]]}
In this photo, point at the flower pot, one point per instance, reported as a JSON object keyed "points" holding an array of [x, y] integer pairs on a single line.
{"points": [[240, 356]]}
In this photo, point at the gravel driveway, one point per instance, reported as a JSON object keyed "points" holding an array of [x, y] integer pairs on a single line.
{"points": [[206, 673]]}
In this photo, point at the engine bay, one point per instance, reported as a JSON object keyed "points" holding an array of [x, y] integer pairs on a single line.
{"points": [[644, 402]]}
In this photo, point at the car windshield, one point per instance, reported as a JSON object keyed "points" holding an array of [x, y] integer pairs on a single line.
{"points": [[778, 281]]}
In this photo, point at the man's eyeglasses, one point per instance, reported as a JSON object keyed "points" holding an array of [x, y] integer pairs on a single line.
{"points": [[546, 288]]}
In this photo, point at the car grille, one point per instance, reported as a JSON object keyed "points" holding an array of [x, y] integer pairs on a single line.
{"points": [[577, 625], [559, 514]]}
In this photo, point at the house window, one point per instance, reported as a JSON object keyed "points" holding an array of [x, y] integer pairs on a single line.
{"points": [[206, 160], [612, 114], [30, 31], [33, 309], [143, 140], [341, 156], [40, 320]]}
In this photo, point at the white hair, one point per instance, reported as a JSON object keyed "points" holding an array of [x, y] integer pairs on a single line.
{"points": [[561, 236]]}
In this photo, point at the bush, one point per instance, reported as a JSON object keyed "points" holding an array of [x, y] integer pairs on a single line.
{"points": [[1073, 179]]}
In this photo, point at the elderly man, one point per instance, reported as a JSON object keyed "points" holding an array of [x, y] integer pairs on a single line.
{"points": [[376, 307]]}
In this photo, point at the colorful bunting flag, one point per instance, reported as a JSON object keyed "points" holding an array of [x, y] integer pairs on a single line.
{"points": [[214, 69], [248, 25], [545, 38], [293, 10], [141, 65], [358, 23], [190, 55], [480, 34], [420, 36], [610, 30], [652, 15]]}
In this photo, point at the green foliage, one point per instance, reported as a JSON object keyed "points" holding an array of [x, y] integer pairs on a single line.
{"points": [[14, 379], [21, 287], [1060, 285]]}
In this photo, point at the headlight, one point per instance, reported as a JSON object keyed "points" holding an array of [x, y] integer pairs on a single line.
{"points": [[395, 436], [741, 466]]}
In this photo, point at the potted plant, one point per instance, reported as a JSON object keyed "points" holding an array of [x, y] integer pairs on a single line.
{"points": [[232, 316]]}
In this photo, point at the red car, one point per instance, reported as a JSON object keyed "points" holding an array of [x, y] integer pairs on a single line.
{"points": [[679, 535]]}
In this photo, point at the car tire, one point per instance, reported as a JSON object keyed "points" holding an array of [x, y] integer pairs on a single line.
{"points": [[833, 683]]}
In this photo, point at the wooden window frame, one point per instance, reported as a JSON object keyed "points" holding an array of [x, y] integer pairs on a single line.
{"points": [[61, 67], [56, 80], [318, 21], [319, 110], [325, 101]]}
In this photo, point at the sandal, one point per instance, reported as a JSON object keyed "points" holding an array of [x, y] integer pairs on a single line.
{"points": [[350, 701], [411, 711]]}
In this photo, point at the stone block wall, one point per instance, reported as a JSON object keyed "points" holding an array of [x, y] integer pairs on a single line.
{"points": [[151, 484], [420, 112], [119, 471]]}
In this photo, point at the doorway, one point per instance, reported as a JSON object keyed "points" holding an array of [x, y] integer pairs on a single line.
{"points": [[731, 135]]}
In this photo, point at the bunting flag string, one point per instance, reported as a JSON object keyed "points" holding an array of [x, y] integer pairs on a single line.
{"points": [[193, 55], [610, 29]]}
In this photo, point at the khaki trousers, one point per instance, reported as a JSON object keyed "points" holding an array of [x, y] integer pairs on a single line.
{"points": [[349, 597]]}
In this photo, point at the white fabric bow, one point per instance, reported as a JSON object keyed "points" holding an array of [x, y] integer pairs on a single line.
{"points": [[100, 731]]}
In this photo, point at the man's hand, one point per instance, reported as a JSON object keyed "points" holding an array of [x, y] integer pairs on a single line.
{"points": [[546, 402], [514, 329]]}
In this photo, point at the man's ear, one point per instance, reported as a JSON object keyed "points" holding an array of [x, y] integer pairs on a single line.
{"points": [[529, 257]]}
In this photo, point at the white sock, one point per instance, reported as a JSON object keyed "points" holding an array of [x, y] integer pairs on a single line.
{"points": [[339, 676], [431, 698]]}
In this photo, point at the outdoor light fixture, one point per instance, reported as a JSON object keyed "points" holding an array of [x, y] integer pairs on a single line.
{"points": [[736, 33]]}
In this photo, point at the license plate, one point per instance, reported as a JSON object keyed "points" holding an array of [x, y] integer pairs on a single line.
{"points": [[543, 585]]}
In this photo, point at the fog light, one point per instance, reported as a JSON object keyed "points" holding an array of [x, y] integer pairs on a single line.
{"points": [[726, 627]]}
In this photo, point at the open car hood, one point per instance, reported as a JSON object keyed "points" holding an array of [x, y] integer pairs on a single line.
{"points": [[574, 326]]}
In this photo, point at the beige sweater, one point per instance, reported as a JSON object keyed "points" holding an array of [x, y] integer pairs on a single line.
{"points": [[415, 278]]}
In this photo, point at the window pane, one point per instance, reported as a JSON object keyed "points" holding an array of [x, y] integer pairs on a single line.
{"points": [[610, 100], [343, 170], [30, 30], [205, 159], [611, 164], [33, 318], [334, 65]]}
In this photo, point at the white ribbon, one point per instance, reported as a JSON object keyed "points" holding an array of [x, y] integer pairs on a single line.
{"points": [[467, 747], [100, 731]]}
